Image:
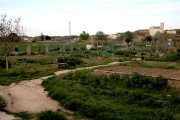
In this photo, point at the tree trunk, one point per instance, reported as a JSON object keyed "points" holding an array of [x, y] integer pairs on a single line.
{"points": [[7, 65]]}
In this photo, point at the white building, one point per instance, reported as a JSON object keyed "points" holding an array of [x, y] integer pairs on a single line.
{"points": [[114, 36], [156, 29]]}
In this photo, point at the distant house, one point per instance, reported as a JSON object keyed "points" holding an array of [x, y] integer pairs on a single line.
{"points": [[25, 38], [156, 29], [140, 35], [170, 31], [114, 36]]}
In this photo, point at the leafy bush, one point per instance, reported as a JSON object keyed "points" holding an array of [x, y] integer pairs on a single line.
{"points": [[23, 115], [73, 104], [137, 80], [126, 53], [50, 115], [2, 103], [171, 57], [70, 60], [3, 64]]}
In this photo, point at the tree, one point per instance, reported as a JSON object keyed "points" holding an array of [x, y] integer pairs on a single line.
{"points": [[9, 35], [47, 37], [84, 36], [128, 37], [42, 37], [101, 36], [148, 40]]}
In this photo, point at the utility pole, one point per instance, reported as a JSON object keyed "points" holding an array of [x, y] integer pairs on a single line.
{"points": [[70, 35], [69, 29]]}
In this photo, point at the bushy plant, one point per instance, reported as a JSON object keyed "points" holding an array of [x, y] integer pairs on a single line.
{"points": [[70, 60], [2, 103], [171, 57], [50, 115], [137, 80], [3, 64]]}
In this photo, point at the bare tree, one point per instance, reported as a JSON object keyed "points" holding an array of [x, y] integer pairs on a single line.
{"points": [[9, 35]]}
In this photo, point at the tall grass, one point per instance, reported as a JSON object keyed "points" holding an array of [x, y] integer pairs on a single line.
{"points": [[113, 97]]}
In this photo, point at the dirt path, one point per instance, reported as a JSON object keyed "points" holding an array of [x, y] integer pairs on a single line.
{"points": [[172, 74], [29, 96], [4, 116]]}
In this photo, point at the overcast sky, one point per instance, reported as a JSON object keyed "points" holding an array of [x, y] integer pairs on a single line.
{"points": [[51, 17]]}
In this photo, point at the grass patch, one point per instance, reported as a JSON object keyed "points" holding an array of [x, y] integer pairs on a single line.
{"points": [[24, 72], [153, 64], [114, 97], [50, 115]]}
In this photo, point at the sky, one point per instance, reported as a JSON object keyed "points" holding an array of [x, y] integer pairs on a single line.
{"points": [[51, 17]]}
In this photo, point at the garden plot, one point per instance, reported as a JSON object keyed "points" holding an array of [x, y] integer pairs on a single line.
{"points": [[172, 74]]}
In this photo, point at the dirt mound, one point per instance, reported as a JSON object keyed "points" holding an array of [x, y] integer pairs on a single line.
{"points": [[27, 96]]}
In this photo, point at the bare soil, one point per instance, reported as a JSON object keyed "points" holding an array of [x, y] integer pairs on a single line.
{"points": [[172, 74], [27, 96], [4, 116]]}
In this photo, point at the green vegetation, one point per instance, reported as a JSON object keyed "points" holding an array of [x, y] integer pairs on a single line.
{"points": [[2, 103], [71, 61], [8, 36], [24, 71], [100, 35], [115, 97], [84, 36], [128, 37], [50, 115], [23, 115], [152, 64]]}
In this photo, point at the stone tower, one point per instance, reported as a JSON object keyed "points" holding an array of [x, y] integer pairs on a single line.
{"points": [[162, 25]]}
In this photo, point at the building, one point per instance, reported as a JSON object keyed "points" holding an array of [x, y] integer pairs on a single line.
{"points": [[156, 29], [140, 35], [114, 36], [170, 31]]}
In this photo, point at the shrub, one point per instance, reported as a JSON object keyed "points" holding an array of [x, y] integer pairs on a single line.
{"points": [[3, 63], [23, 115], [63, 66], [2, 103], [160, 83], [171, 57], [73, 104], [50, 115], [141, 81], [70, 60]]}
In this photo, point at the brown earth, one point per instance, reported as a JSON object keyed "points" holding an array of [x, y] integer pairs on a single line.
{"points": [[172, 74], [4, 116]]}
